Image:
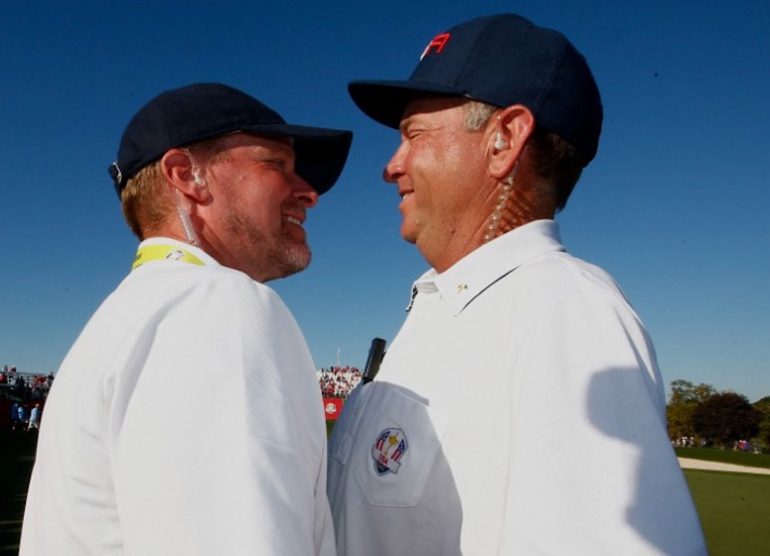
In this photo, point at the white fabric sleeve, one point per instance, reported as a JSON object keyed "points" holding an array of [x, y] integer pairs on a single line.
{"points": [[592, 471], [219, 445]]}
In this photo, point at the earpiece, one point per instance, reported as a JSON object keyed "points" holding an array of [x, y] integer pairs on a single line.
{"points": [[184, 217], [500, 143], [501, 219], [197, 180]]}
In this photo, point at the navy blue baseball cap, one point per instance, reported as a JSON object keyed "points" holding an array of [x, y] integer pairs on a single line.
{"points": [[206, 110], [499, 60]]}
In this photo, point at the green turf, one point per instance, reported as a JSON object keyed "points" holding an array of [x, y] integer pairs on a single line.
{"points": [[725, 456], [734, 509]]}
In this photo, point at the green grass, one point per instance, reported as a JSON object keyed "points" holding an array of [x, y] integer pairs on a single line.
{"points": [[725, 456], [734, 509]]}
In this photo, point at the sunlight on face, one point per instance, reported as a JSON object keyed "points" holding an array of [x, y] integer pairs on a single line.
{"points": [[259, 207]]}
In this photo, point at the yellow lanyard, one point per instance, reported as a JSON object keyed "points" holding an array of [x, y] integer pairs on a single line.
{"points": [[149, 253]]}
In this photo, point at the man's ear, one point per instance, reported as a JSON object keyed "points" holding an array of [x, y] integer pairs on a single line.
{"points": [[507, 134], [183, 174]]}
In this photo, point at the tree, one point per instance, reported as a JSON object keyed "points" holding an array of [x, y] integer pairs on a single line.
{"points": [[685, 397], [726, 417], [763, 406]]}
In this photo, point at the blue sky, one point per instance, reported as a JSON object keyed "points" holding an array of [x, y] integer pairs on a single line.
{"points": [[673, 206]]}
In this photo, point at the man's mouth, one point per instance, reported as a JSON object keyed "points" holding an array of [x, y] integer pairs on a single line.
{"points": [[294, 220]]}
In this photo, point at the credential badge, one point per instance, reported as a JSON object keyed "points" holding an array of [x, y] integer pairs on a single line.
{"points": [[175, 255], [388, 449]]}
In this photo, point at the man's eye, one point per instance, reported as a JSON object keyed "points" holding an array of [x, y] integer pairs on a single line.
{"points": [[413, 133]]}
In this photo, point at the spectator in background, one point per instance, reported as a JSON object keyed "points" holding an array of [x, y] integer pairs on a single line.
{"points": [[21, 417], [15, 408], [338, 382], [34, 417], [20, 387]]}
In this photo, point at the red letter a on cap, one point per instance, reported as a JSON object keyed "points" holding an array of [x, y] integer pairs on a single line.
{"points": [[438, 43]]}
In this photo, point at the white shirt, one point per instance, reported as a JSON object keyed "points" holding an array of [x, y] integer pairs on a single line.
{"points": [[522, 412], [185, 420]]}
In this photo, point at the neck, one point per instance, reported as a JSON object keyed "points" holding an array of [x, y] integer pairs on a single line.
{"points": [[170, 234], [448, 256]]}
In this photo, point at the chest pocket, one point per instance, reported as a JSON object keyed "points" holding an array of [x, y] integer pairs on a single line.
{"points": [[396, 446]]}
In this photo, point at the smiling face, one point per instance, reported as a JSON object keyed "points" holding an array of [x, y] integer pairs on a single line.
{"points": [[254, 220], [440, 169]]}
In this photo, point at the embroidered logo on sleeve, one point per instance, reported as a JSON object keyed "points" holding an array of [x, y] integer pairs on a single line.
{"points": [[388, 450]]}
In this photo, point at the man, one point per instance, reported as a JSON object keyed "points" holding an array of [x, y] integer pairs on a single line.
{"points": [[34, 417], [520, 409], [17, 415], [132, 459]]}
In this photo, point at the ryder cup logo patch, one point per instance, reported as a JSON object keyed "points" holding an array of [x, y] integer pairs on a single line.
{"points": [[388, 449]]}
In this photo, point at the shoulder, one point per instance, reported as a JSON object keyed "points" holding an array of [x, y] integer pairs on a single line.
{"points": [[188, 301], [216, 316], [208, 288], [227, 285], [230, 300], [558, 291], [563, 277]]}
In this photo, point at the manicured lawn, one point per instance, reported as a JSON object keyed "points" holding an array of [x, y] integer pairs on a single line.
{"points": [[725, 456], [734, 509]]}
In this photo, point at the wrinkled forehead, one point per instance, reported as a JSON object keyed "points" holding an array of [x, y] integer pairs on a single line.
{"points": [[425, 105]]}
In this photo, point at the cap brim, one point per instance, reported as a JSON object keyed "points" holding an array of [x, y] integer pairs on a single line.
{"points": [[320, 153], [385, 101]]}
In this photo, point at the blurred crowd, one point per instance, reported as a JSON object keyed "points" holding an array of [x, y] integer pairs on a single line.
{"points": [[22, 396], [24, 387], [338, 382]]}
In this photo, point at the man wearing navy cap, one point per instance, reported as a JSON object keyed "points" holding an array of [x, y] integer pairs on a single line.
{"points": [[520, 409], [132, 459]]}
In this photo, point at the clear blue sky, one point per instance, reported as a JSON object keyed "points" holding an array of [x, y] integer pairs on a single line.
{"points": [[674, 206]]}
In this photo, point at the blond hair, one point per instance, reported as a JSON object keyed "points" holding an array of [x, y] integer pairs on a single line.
{"points": [[146, 199]]}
